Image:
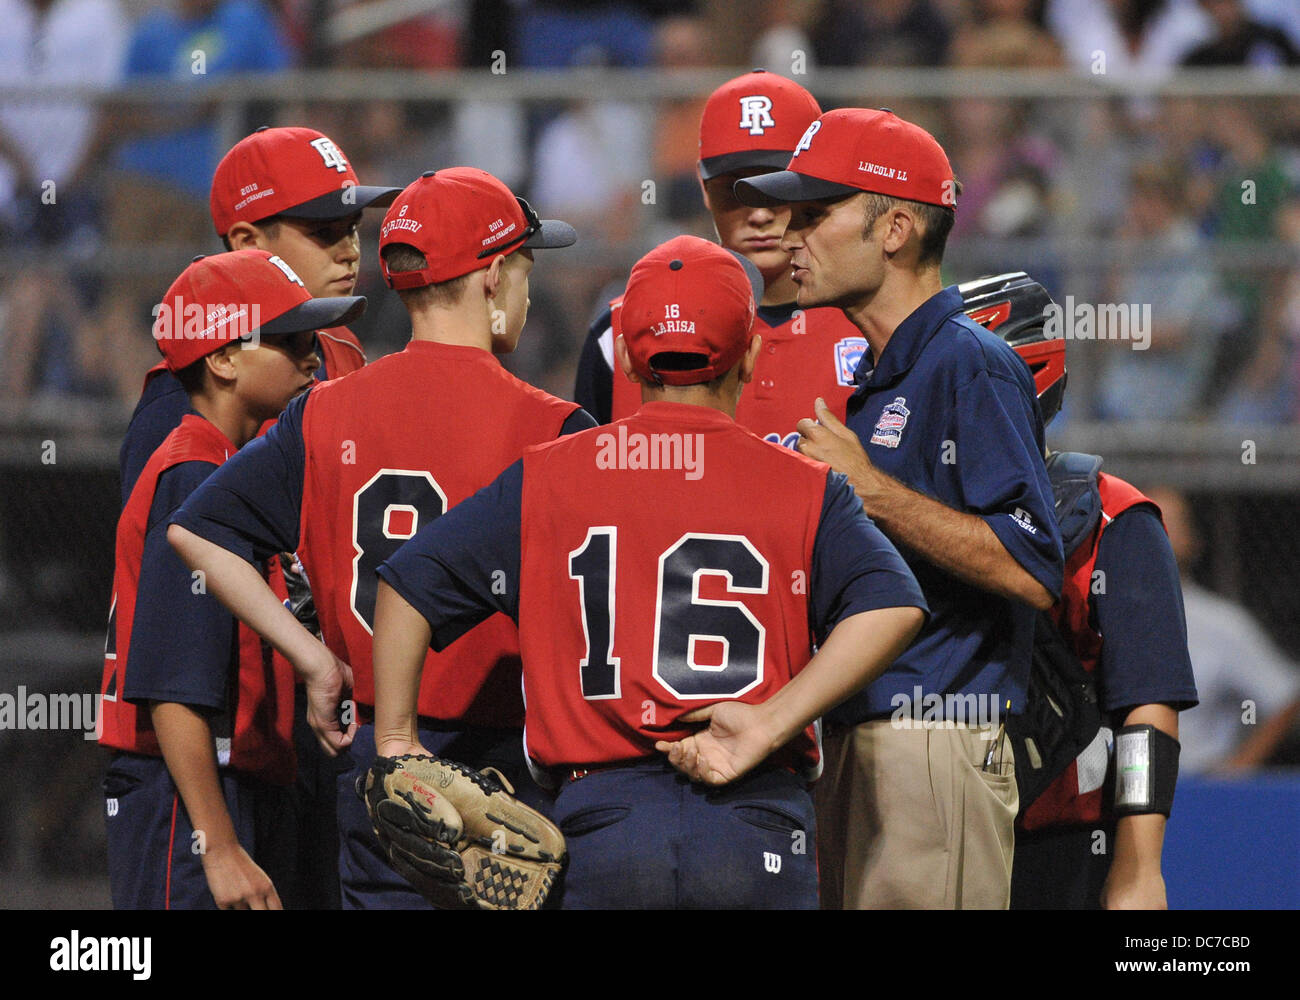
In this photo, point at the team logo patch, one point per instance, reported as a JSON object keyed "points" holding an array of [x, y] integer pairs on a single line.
{"points": [[756, 113], [806, 141], [889, 428], [848, 353], [331, 154]]}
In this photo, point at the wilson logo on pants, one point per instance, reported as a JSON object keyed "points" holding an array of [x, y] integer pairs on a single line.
{"points": [[771, 862]]}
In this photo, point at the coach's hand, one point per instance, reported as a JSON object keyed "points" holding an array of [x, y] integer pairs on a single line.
{"points": [[827, 440], [235, 880], [738, 739], [333, 719]]}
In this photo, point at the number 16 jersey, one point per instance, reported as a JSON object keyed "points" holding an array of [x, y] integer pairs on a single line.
{"points": [[664, 562]]}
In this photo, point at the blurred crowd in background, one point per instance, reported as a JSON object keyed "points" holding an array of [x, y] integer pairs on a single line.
{"points": [[1190, 205]]}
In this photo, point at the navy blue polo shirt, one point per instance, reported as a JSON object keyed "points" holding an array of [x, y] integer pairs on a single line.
{"points": [[949, 410]]}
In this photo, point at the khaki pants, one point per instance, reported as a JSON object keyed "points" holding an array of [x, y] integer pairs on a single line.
{"points": [[909, 819]]}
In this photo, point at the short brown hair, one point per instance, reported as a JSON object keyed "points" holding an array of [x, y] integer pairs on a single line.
{"points": [[936, 222], [402, 257]]}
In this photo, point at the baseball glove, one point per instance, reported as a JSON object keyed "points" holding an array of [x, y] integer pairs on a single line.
{"points": [[459, 836]]}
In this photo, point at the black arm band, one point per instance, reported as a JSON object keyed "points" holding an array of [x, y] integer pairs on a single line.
{"points": [[1146, 770]]}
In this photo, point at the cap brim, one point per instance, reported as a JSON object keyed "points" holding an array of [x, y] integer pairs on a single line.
{"points": [[786, 186], [715, 166], [344, 202], [316, 314], [552, 235]]}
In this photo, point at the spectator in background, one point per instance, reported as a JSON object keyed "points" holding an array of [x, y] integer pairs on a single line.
{"points": [[159, 194], [1006, 169], [1251, 185], [1249, 690], [590, 164], [784, 43], [48, 199], [1125, 38], [681, 43], [1003, 33], [375, 33], [1174, 303], [557, 34], [1240, 40], [1268, 389], [880, 33]]}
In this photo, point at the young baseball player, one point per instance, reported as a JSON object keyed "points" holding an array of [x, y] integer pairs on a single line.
{"points": [[199, 711], [1089, 839], [669, 570], [750, 126], [291, 192], [360, 464], [944, 447]]}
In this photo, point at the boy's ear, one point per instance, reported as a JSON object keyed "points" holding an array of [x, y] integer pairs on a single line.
{"points": [[625, 359], [492, 279], [244, 236], [220, 363], [749, 360]]}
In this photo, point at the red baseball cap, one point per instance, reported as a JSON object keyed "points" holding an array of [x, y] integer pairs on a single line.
{"points": [[288, 171], [754, 120], [689, 297], [241, 295], [459, 218], [851, 150]]}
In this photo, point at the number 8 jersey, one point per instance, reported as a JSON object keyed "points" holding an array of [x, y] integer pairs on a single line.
{"points": [[356, 467], [664, 562]]}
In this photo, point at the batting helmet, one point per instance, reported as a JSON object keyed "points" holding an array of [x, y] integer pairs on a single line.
{"points": [[1014, 306]]}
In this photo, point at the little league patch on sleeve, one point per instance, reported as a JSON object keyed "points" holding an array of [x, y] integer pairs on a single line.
{"points": [[848, 353], [889, 428]]}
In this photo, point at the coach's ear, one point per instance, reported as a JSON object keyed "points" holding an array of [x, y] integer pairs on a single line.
{"points": [[625, 359]]}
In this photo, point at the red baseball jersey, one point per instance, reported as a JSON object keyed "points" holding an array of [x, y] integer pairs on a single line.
{"points": [[386, 449], [812, 353], [1062, 802], [259, 698], [340, 351], [707, 571]]}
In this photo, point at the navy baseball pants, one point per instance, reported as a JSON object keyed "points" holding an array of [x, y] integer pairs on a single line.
{"points": [[645, 837]]}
